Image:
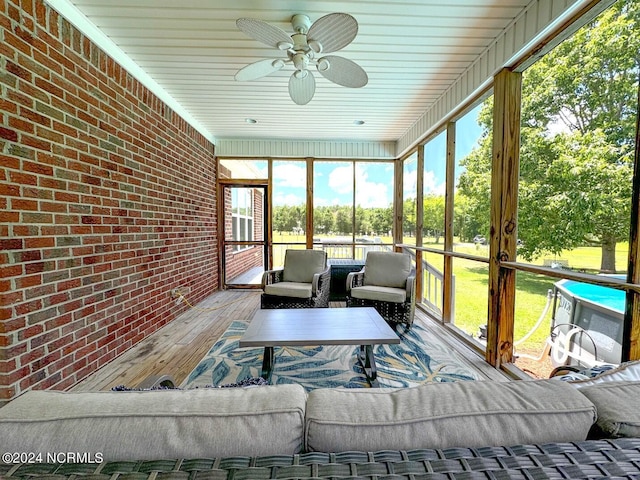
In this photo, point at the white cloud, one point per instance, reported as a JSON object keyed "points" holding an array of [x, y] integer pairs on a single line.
{"points": [[368, 194], [288, 175], [341, 179], [371, 194], [409, 183], [289, 199], [431, 186]]}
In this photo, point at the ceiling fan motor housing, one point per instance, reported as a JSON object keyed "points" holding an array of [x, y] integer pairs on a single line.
{"points": [[300, 42], [300, 23]]}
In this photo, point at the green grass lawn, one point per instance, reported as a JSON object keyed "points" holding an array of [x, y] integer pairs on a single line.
{"points": [[531, 291], [471, 286]]}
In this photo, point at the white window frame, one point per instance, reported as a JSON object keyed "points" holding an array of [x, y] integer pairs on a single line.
{"points": [[242, 207]]}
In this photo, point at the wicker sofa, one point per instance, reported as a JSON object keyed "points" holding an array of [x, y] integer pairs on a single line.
{"points": [[527, 429]]}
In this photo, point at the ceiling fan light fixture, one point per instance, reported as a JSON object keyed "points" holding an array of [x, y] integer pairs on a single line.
{"points": [[300, 61]]}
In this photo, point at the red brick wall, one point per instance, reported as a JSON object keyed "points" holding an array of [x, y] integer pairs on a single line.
{"points": [[108, 202]]}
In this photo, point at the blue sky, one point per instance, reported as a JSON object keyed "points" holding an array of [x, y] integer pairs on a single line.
{"points": [[374, 181], [467, 135]]}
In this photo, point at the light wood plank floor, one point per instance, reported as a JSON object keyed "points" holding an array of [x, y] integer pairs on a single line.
{"points": [[179, 346]]}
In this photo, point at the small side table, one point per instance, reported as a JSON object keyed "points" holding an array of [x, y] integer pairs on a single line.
{"points": [[340, 268]]}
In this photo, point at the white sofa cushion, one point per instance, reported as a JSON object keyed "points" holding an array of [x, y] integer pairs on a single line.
{"points": [[387, 269], [618, 405], [628, 371], [289, 289], [444, 415], [383, 294], [143, 425]]}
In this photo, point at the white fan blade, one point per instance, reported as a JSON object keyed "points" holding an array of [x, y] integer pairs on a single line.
{"points": [[342, 71], [333, 31], [259, 69], [302, 88], [265, 33]]}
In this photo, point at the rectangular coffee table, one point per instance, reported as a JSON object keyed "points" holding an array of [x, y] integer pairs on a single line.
{"points": [[362, 326]]}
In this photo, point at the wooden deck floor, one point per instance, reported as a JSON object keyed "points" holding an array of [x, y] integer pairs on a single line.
{"points": [[178, 347]]}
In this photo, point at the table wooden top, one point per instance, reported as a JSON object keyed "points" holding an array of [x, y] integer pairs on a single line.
{"points": [[317, 326]]}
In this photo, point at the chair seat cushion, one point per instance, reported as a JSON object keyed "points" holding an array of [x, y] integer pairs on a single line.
{"points": [[289, 289], [383, 294]]}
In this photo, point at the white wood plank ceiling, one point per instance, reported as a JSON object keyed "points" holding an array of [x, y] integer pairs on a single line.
{"points": [[412, 51]]}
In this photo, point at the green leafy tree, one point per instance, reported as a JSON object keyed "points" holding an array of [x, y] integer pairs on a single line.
{"points": [[343, 220], [433, 221], [576, 157], [409, 217], [288, 217], [381, 220], [323, 220], [363, 220]]}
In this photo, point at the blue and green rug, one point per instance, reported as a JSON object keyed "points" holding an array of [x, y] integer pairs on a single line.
{"points": [[419, 358]]}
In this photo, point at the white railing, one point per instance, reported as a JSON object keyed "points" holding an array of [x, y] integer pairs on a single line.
{"points": [[432, 281], [348, 250]]}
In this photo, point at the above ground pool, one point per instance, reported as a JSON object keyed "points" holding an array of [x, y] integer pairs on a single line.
{"points": [[587, 324]]}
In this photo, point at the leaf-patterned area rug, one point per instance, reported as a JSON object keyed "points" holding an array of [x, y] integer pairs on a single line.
{"points": [[419, 358]]}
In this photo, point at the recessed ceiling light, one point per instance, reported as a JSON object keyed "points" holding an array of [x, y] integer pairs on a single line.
{"points": [[250, 120], [358, 122]]}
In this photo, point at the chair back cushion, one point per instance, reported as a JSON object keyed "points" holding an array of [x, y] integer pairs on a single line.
{"points": [[387, 269], [301, 265]]}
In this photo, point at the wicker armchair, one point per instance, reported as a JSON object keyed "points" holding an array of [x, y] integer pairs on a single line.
{"points": [[303, 282], [387, 283]]}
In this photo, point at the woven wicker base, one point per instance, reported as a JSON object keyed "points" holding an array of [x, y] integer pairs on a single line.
{"points": [[584, 460], [391, 312]]}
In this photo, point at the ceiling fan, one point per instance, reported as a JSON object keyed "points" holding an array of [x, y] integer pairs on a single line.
{"points": [[327, 34]]}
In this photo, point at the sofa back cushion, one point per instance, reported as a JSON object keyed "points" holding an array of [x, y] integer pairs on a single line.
{"points": [[625, 372], [387, 269], [301, 265], [445, 415], [144, 425], [618, 406]]}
